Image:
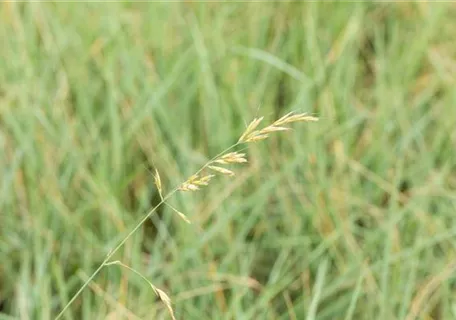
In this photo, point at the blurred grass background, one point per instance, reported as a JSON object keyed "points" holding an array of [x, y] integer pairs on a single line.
{"points": [[352, 217]]}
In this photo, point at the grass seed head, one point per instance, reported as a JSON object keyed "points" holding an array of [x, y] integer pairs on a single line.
{"points": [[272, 128], [232, 157], [252, 126], [158, 183], [194, 182], [256, 136], [203, 181], [183, 217], [188, 187], [221, 170], [166, 300], [292, 117]]}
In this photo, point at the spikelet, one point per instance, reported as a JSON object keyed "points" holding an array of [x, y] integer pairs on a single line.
{"points": [[186, 186], [271, 128], [194, 182], [232, 157], [158, 183], [292, 117], [255, 122], [222, 170], [180, 214], [251, 135], [183, 216], [160, 293], [166, 300], [256, 136], [204, 181], [189, 185]]}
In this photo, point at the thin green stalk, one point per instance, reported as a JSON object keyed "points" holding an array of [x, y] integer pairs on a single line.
{"points": [[110, 254], [138, 225], [250, 135]]}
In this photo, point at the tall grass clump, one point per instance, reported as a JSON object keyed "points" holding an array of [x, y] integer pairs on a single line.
{"points": [[218, 165]]}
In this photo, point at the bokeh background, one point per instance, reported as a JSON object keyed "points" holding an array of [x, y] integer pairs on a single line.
{"points": [[352, 217]]}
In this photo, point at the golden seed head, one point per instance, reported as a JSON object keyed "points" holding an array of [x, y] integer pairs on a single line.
{"points": [[158, 182], [255, 122], [272, 128], [188, 187], [203, 181], [194, 182], [183, 217], [250, 135], [256, 136], [222, 170], [166, 300], [232, 157], [292, 117]]}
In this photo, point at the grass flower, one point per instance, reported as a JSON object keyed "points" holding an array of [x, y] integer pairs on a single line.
{"points": [[194, 183]]}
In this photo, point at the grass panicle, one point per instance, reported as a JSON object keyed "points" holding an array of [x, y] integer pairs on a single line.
{"points": [[89, 106], [252, 135], [193, 183]]}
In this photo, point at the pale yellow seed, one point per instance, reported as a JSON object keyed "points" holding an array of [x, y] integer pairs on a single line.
{"points": [[296, 117], [250, 128], [164, 297], [158, 182], [226, 156], [254, 133], [237, 160], [292, 117], [232, 157], [282, 120], [236, 157], [308, 118], [188, 187], [222, 170], [192, 178], [192, 187], [204, 181], [207, 178], [273, 129], [257, 137], [200, 183], [183, 216]]}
